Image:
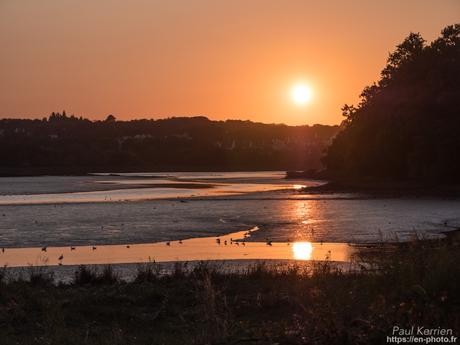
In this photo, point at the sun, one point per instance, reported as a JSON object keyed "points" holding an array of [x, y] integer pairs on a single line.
{"points": [[301, 94]]}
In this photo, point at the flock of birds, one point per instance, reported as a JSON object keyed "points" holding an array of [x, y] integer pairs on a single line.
{"points": [[268, 242], [72, 248]]}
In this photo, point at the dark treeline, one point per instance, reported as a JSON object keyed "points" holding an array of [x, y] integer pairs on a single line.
{"points": [[407, 126], [67, 144]]}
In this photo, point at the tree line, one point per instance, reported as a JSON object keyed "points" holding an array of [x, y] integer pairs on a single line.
{"points": [[71, 144]]}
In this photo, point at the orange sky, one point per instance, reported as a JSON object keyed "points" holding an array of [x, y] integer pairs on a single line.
{"points": [[219, 58]]}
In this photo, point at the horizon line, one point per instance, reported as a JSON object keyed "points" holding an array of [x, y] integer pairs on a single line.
{"points": [[92, 119]]}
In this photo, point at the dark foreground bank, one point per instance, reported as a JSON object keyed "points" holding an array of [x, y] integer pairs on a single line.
{"points": [[406, 285], [377, 187], [391, 189]]}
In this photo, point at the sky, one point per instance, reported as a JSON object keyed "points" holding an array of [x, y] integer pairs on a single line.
{"points": [[224, 59]]}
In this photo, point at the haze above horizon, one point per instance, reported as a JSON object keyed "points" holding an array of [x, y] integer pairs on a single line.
{"points": [[221, 59]]}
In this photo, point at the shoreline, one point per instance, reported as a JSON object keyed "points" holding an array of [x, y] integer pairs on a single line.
{"points": [[91, 171], [385, 189], [126, 272]]}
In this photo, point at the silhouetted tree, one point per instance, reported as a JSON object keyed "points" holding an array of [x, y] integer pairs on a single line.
{"points": [[110, 118], [407, 124]]}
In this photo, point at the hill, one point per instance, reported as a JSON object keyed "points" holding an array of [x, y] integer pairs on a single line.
{"points": [[68, 144]]}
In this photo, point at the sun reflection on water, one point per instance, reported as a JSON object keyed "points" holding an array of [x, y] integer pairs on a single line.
{"points": [[298, 186], [302, 250]]}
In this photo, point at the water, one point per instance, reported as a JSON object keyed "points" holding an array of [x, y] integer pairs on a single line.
{"points": [[146, 208], [228, 247]]}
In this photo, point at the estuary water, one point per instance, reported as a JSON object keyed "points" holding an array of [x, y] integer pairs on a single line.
{"points": [[146, 208]]}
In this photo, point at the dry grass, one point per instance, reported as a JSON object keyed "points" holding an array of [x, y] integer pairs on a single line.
{"points": [[409, 284]]}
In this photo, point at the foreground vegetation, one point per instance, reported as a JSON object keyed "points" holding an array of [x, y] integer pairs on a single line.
{"points": [[410, 284]]}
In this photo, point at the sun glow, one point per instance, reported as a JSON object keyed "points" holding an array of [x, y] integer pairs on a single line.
{"points": [[301, 94], [302, 250], [298, 186]]}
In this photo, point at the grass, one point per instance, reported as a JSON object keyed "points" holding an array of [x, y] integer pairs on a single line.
{"points": [[407, 284]]}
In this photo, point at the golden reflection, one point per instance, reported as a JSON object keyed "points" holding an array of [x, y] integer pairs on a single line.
{"points": [[311, 217], [193, 249], [299, 186], [302, 250]]}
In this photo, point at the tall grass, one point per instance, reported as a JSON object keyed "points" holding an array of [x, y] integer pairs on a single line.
{"points": [[91, 276], [407, 284]]}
